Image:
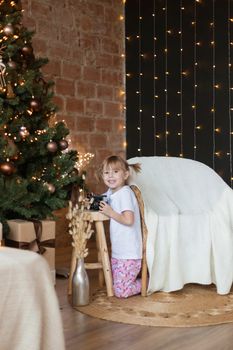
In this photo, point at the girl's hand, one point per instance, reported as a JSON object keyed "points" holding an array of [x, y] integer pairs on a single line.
{"points": [[105, 208]]}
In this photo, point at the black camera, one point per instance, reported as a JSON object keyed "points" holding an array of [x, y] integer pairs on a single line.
{"points": [[95, 201]]}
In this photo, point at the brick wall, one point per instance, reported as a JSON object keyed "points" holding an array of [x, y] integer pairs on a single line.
{"points": [[84, 42]]}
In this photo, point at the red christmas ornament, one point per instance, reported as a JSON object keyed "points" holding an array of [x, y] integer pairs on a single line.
{"points": [[27, 50]]}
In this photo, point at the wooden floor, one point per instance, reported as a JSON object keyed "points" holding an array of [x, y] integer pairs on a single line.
{"points": [[88, 333]]}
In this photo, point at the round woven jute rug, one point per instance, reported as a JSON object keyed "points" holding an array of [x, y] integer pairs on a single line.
{"points": [[194, 305]]}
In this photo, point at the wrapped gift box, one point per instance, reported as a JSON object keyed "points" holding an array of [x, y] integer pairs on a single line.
{"points": [[35, 235]]}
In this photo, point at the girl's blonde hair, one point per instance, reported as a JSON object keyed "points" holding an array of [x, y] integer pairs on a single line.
{"points": [[118, 161]]}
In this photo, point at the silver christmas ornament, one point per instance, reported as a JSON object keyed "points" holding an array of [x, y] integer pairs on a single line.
{"points": [[52, 146]]}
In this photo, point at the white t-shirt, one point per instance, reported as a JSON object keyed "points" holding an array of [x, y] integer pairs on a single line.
{"points": [[126, 241]]}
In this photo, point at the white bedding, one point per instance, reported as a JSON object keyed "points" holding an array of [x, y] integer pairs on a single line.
{"points": [[189, 217], [30, 315]]}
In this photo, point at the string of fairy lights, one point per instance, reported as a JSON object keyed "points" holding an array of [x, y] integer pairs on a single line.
{"points": [[229, 43], [215, 153], [139, 91], [195, 82], [180, 92], [163, 50], [154, 116], [166, 79]]}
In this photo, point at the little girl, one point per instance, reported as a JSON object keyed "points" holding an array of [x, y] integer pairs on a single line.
{"points": [[125, 227]]}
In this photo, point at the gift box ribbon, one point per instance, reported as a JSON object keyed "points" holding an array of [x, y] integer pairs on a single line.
{"points": [[36, 244]]}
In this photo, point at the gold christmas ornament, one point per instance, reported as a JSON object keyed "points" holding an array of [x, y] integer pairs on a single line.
{"points": [[2, 90]]}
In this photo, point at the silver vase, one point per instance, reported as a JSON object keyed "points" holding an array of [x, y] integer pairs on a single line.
{"points": [[80, 285]]}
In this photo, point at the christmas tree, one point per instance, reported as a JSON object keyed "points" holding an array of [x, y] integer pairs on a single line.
{"points": [[37, 169]]}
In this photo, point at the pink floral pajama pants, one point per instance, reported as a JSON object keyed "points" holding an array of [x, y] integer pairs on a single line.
{"points": [[124, 273]]}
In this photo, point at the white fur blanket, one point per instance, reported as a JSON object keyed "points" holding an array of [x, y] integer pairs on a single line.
{"points": [[30, 316], [189, 217]]}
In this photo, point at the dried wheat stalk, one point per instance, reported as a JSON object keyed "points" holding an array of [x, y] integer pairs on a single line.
{"points": [[79, 229]]}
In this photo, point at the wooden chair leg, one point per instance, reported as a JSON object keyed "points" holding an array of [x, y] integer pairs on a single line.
{"points": [[100, 272], [105, 258], [144, 269], [144, 278]]}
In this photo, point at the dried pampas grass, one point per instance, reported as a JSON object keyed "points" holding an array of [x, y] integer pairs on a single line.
{"points": [[79, 228]]}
